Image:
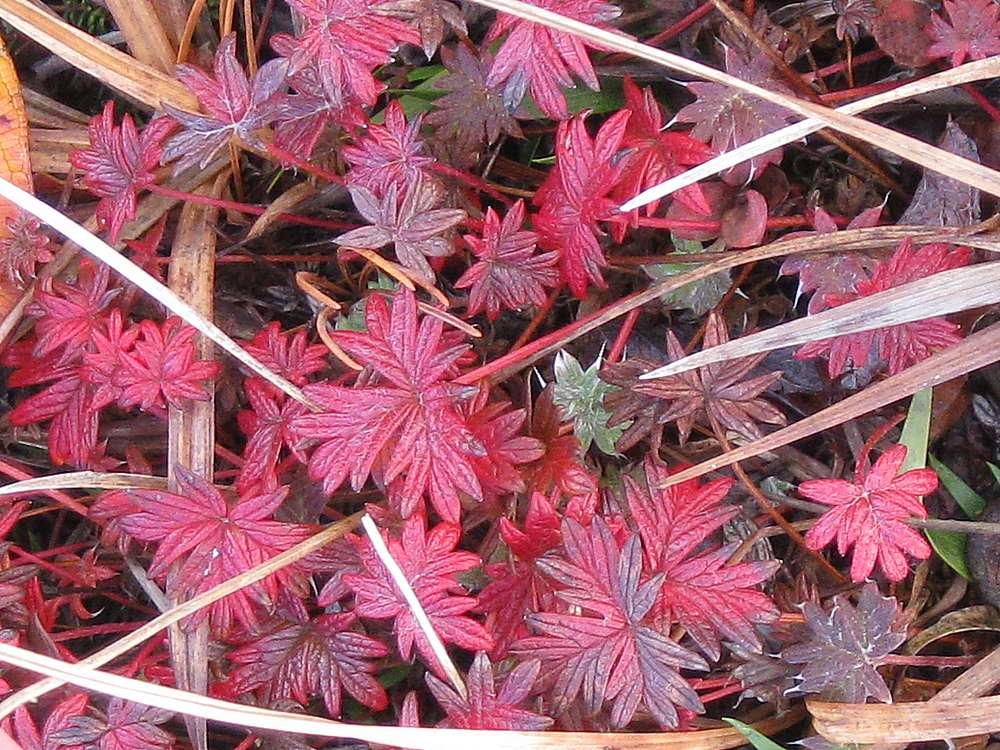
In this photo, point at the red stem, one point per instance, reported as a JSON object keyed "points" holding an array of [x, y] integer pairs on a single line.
{"points": [[623, 335], [942, 662], [708, 225], [288, 158], [721, 693], [840, 67], [538, 319], [860, 91], [473, 181], [982, 101], [248, 208], [92, 630], [668, 33]]}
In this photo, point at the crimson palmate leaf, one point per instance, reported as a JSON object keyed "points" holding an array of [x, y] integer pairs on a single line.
{"points": [[347, 40], [609, 653], [120, 163], [203, 540], [486, 707], [541, 60], [404, 424], [870, 514], [561, 469], [409, 220], [236, 107], [902, 345], [472, 114], [508, 273], [30, 737], [289, 355], [710, 599], [268, 426], [576, 196], [728, 118], [972, 31], [846, 645], [721, 393], [128, 726], [430, 563], [296, 657], [517, 586], [162, 368], [655, 155], [68, 314], [388, 154]]}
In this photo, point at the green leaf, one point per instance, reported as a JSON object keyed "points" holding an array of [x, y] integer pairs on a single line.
{"points": [[755, 738], [609, 99], [698, 296], [967, 498], [995, 471], [949, 545], [580, 396]]}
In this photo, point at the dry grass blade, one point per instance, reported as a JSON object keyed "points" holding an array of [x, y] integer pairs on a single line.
{"points": [[116, 69], [416, 608], [129, 270], [905, 722], [911, 149], [191, 429], [144, 33], [91, 480], [978, 350], [940, 294], [178, 613], [283, 204], [852, 239], [967, 73], [413, 737]]}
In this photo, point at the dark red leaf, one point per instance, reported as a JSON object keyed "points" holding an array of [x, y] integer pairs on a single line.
{"points": [[485, 707], [972, 31], [296, 657]]}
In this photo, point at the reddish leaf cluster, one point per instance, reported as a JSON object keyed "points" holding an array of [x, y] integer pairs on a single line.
{"points": [[88, 358], [902, 345]]}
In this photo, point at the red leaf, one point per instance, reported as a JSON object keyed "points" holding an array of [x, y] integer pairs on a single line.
{"points": [[902, 345], [869, 514], [575, 197], [656, 155], [508, 273], [28, 735], [347, 40], [68, 403], [608, 654], [388, 154], [120, 163], [830, 273], [203, 540], [561, 468], [407, 425], [485, 707], [972, 31], [236, 106], [430, 563], [129, 726], [162, 368], [68, 314], [296, 657], [536, 58], [291, 356], [268, 424], [517, 586], [410, 219], [707, 597], [22, 248]]}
